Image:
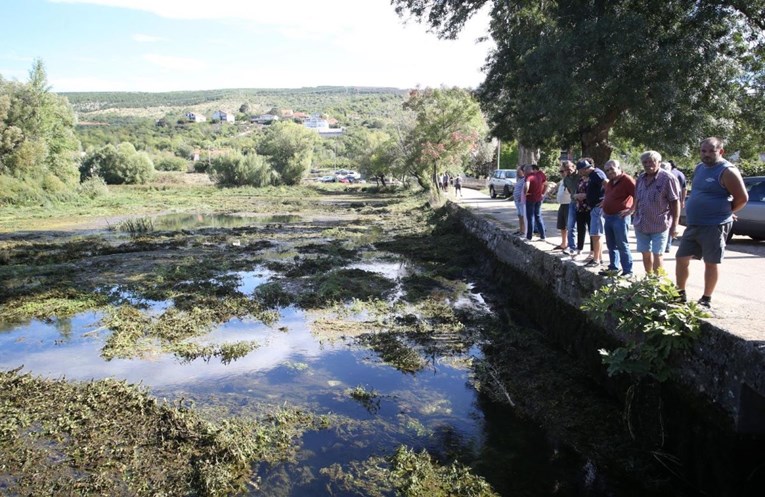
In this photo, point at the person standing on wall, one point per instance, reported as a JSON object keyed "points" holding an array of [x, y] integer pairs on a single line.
{"points": [[717, 193], [617, 205], [656, 210], [564, 209], [594, 198], [536, 184]]}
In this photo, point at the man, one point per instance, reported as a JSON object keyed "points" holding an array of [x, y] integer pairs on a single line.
{"points": [[617, 205], [680, 177], [519, 197], [717, 193], [536, 184], [656, 210], [571, 182], [594, 198], [564, 199]]}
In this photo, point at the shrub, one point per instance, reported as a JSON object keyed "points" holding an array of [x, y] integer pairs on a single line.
{"points": [[235, 169], [171, 163], [751, 168], [118, 165], [93, 187]]}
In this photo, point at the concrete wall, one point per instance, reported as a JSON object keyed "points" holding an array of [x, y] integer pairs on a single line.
{"points": [[723, 374]]}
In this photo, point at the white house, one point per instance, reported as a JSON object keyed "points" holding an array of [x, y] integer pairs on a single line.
{"points": [[223, 116], [264, 119], [316, 123], [195, 118]]}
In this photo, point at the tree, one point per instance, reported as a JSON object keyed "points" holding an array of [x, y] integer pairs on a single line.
{"points": [[375, 153], [38, 145], [660, 72], [236, 169], [289, 147], [118, 165], [448, 127]]}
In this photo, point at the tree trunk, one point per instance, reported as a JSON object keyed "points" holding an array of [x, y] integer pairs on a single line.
{"points": [[595, 139], [527, 155]]}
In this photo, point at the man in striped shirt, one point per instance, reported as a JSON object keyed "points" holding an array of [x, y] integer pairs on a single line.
{"points": [[656, 210]]}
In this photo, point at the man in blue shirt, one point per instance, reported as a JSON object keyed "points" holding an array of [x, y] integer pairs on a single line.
{"points": [[717, 192]]}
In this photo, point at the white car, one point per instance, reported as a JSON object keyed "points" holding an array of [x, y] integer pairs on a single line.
{"points": [[502, 182]]}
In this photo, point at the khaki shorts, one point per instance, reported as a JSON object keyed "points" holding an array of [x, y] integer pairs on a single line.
{"points": [[704, 241]]}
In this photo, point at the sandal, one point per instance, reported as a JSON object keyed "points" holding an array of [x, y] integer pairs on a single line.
{"points": [[558, 247]]}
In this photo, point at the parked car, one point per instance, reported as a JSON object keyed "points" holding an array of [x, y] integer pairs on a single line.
{"points": [[502, 182], [750, 221], [328, 179]]}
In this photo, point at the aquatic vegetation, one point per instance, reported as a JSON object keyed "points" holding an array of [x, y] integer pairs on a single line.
{"points": [[58, 303], [226, 352], [110, 438], [369, 399], [342, 285], [136, 226], [408, 473]]}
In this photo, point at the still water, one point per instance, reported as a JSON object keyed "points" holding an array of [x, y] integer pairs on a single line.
{"points": [[436, 408]]}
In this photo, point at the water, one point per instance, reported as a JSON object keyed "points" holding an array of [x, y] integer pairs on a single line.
{"points": [[176, 222], [435, 408]]}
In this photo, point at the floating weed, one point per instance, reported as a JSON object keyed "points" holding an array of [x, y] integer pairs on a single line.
{"points": [[369, 399], [59, 303], [109, 438], [407, 473], [137, 226], [394, 350], [227, 352], [343, 285]]}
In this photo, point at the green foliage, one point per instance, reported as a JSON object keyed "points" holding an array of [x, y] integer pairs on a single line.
{"points": [[654, 323], [171, 163], [38, 146], [118, 165], [752, 167], [93, 187], [289, 148], [448, 127], [235, 169], [572, 71]]}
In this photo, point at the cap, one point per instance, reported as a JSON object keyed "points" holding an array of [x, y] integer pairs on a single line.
{"points": [[583, 164]]}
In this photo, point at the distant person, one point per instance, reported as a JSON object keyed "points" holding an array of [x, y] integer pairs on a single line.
{"points": [[571, 182], [563, 197], [594, 197], [445, 182], [519, 197], [458, 186], [683, 183], [536, 184], [717, 193], [656, 210], [617, 205]]}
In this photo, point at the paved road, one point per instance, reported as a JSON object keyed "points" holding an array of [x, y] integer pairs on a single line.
{"points": [[738, 301]]}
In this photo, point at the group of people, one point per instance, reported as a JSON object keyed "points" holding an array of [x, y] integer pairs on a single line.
{"points": [[445, 180], [605, 202]]}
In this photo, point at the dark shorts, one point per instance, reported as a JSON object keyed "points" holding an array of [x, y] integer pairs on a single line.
{"points": [[704, 241], [562, 216]]}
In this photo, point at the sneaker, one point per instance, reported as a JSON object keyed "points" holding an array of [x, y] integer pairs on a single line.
{"points": [[705, 302], [593, 263], [626, 275], [608, 272], [681, 297]]}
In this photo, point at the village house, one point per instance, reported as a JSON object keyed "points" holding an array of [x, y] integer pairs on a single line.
{"points": [[195, 118], [223, 116]]}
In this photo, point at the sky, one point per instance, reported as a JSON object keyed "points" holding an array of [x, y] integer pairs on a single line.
{"points": [[167, 45]]}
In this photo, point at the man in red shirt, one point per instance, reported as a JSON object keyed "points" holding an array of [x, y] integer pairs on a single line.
{"points": [[617, 205], [536, 183]]}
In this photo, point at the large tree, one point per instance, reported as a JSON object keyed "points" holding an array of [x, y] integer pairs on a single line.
{"points": [[447, 129], [289, 147], [664, 72], [38, 145]]}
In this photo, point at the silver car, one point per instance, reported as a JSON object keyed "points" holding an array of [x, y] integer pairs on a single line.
{"points": [[502, 182], [750, 221]]}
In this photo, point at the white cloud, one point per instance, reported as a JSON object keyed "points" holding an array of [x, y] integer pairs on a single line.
{"points": [[175, 63], [142, 38]]}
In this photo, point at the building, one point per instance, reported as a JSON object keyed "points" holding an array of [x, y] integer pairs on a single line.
{"points": [[223, 116], [195, 118]]}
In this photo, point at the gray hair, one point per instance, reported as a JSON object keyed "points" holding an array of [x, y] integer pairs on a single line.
{"points": [[651, 154], [614, 163]]}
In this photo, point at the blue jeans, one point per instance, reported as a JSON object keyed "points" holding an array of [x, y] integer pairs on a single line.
{"points": [[616, 227], [534, 216], [571, 225]]}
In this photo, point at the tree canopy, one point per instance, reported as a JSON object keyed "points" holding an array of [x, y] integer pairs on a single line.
{"points": [[658, 72], [38, 146]]}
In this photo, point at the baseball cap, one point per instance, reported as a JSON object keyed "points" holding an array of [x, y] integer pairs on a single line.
{"points": [[583, 164]]}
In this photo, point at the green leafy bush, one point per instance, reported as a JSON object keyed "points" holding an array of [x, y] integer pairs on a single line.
{"points": [[235, 169], [118, 165], [654, 322], [751, 167], [93, 187], [172, 163]]}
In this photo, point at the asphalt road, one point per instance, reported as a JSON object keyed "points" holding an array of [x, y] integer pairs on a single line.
{"points": [[738, 301]]}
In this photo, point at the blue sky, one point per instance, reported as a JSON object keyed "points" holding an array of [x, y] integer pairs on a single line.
{"points": [[165, 45]]}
